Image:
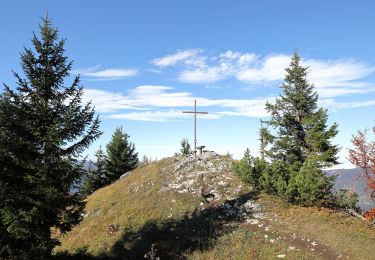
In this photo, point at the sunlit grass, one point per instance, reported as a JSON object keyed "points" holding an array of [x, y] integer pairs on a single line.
{"points": [[122, 211]]}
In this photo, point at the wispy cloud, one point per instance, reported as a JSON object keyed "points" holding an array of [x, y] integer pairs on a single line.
{"points": [[95, 73], [184, 56], [162, 103], [331, 77], [159, 116], [338, 73], [201, 76], [271, 68], [335, 105]]}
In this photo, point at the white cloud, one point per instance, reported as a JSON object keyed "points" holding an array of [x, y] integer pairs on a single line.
{"points": [[271, 68], [173, 59], [337, 73], [163, 103], [95, 73], [249, 108], [112, 73], [337, 105], [331, 77], [336, 91], [106, 102], [201, 76], [150, 102], [159, 116]]}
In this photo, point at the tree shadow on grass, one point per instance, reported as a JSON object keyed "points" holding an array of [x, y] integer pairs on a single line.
{"points": [[176, 238]]}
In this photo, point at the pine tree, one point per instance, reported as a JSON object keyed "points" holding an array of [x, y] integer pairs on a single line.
{"points": [[185, 147], [145, 160], [301, 142], [121, 155], [250, 169], [301, 126], [310, 186], [43, 128], [264, 138], [96, 176]]}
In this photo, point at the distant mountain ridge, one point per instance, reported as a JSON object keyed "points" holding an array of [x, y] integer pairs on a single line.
{"points": [[352, 179]]}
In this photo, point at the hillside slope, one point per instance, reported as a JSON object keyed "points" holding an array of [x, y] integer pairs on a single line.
{"points": [[353, 179], [178, 208]]}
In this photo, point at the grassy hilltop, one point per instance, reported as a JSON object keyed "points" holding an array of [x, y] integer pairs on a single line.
{"points": [[158, 211]]}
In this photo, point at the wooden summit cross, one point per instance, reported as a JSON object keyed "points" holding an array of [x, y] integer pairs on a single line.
{"points": [[195, 112]]}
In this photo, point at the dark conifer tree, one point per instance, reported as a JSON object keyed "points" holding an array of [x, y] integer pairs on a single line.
{"points": [[96, 175], [301, 127], [121, 155], [43, 128]]}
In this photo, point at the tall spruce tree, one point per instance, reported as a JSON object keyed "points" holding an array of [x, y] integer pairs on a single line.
{"points": [[96, 176], [301, 127], [43, 128], [121, 155]]}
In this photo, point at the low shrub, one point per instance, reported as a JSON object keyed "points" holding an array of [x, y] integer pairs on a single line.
{"points": [[346, 199]]}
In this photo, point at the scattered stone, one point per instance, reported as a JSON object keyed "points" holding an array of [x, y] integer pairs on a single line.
{"points": [[223, 183], [252, 221], [259, 215], [113, 228], [280, 256], [93, 212], [125, 175]]}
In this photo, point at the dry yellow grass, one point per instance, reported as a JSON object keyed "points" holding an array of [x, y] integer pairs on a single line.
{"points": [[347, 235], [128, 203], [131, 215]]}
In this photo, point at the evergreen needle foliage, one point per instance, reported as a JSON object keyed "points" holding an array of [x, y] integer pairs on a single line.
{"points": [[300, 143], [250, 169], [301, 126], [96, 176], [43, 127], [185, 147], [121, 156]]}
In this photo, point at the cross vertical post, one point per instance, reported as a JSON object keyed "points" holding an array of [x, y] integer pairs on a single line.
{"points": [[195, 126], [195, 112]]}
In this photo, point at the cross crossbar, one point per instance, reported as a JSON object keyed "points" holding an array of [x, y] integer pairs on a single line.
{"points": [[195, 112], [192, 112]]}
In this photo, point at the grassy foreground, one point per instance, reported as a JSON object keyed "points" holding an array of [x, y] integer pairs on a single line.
{"points": [[136, 218]]}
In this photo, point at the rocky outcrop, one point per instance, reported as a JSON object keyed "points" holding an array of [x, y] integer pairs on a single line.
{"points": [[209, 178]]}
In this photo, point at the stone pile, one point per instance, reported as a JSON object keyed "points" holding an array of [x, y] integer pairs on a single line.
{"points": [[192, 174]]}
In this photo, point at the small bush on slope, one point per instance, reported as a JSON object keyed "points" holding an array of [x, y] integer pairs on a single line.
{"points": [[310, 187], [304, 185], [249, 169]]}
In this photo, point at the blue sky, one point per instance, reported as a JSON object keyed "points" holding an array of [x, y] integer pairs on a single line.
{"points": [[143, 62]]}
